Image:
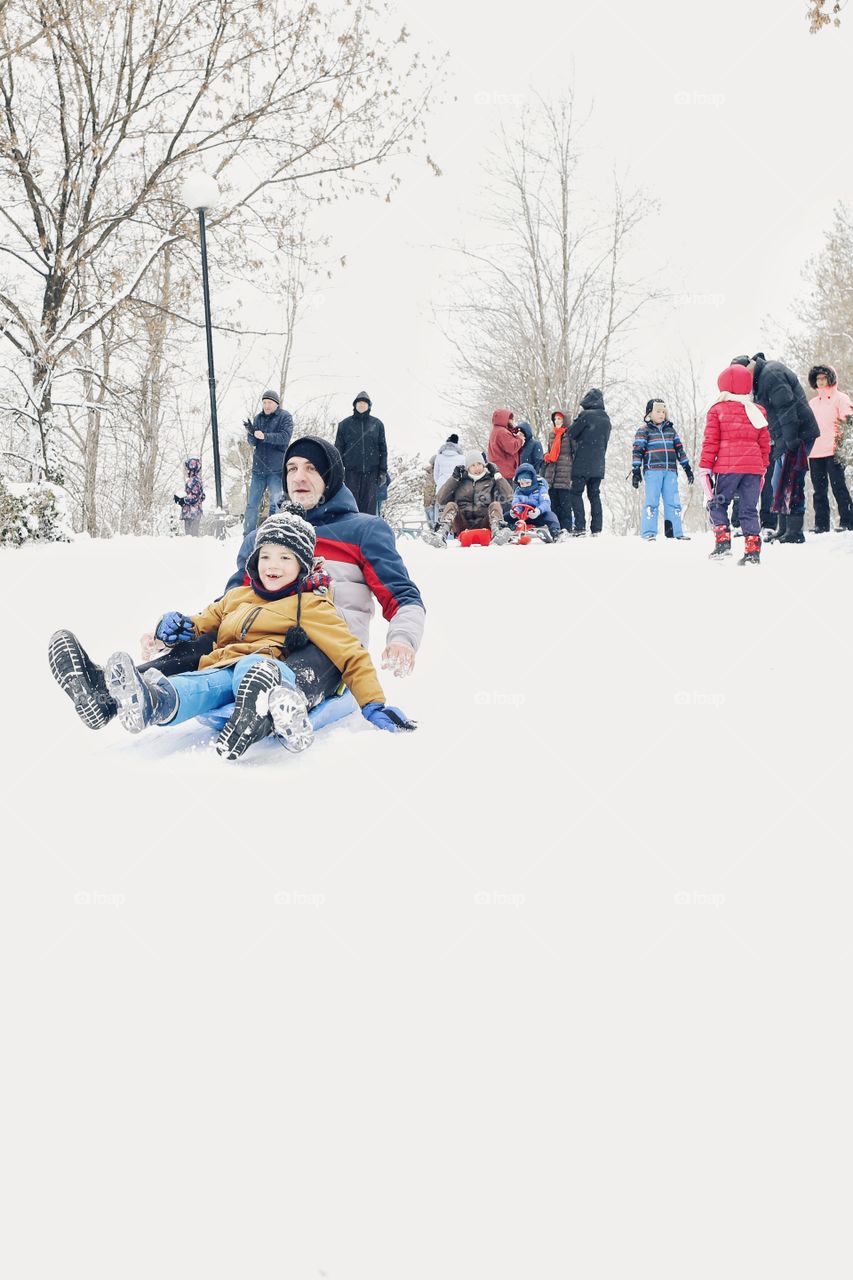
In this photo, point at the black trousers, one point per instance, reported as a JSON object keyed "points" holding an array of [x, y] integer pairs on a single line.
{"points": [[561, 505], [593, 490], [364, 487], [823, 471], [769, 519], [316, 675]]}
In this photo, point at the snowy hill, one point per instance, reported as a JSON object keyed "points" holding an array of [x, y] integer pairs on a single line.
{"points": [[545, 973]]}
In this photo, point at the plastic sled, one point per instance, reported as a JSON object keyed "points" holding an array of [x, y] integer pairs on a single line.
{"points": [[524, 533], [475, 537], [325, 713]]}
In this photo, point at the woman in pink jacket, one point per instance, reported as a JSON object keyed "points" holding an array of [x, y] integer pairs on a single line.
{"points": [[505, 443], [830, 406]]}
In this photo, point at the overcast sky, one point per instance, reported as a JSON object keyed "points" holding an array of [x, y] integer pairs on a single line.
{"points": [[731, 115]]}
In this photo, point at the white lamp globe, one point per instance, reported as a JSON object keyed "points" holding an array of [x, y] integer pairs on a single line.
{"points": [[199, 190]]}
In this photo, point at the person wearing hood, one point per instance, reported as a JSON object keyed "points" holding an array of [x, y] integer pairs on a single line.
{"points": [[831, 408], [531, 451], [531, 496], [360, 440], [191, 503], [474, 497], [269, 435], [558, 470], [361, 558], [735, 450], [505, 443], [793, 431], [589, 434], [438, 471]]}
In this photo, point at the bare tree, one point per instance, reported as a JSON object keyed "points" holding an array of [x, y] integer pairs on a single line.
{"points": [[103, 108], [542, 310], [823, 13]]}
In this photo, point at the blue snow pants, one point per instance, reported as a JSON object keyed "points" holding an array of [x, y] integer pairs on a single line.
{"points": [[203, 691], [661, 484]]}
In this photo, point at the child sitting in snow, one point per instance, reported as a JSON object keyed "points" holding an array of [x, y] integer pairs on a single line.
{"points": [[284, 608], [656, 454], [531, 490], [735, 451]]}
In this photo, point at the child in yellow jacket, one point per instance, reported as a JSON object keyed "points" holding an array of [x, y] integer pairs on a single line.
{"points": [[286, 607]]}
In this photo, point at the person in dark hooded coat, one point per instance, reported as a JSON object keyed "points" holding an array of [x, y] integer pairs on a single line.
{"points": [[589, 434], [532, 452], [793, 430], [360, 440]]}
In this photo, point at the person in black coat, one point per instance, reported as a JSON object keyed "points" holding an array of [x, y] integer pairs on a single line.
{"points": [[269, 435], [589, 435], [793, 430], [531, 451], [360, 440]]}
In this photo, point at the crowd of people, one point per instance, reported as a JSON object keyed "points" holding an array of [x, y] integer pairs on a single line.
{"points": [[290, 631], [763, 436]]}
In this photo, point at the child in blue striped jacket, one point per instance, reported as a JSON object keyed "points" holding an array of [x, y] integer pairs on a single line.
{"points": [[656, 453]]}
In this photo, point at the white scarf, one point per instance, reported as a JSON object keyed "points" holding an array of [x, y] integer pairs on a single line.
{"points": [[753, 412]]}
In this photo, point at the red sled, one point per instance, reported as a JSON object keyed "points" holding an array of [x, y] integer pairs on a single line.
{"points": [[475, 537]]}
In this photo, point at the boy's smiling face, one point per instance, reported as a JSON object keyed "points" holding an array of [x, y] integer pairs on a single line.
{"points": [[277, 567]]}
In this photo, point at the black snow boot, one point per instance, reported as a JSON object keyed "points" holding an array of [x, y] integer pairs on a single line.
{"points": [[722, 542], [79, 677], [778, 533], [752, 549], [793, 530], [250, 720], [141, 700]]}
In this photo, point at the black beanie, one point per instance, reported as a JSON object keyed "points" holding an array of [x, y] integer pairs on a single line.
{"points": [[271, 395], [323, 456], [452, 439], [744, 360]]}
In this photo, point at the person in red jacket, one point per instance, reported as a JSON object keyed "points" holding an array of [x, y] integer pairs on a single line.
{"points": [[505, 443], [735, 451]]}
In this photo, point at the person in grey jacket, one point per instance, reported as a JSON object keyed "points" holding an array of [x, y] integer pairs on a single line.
{"points": [[269, 435]]}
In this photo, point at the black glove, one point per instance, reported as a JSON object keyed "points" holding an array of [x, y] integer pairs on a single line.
{"points": [[460, 472], [383, 478], [636, 477], [249, 425], [180, 501], [688, 471]]}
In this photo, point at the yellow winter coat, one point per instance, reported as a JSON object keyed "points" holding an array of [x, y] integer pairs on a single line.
{"points": [[246, 623]]}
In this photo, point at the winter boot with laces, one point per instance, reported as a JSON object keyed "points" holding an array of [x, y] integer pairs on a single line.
{"points": [[777, 534], [289, 715], [501, 534], [752, 549], [722, 542], [141, 700], [79, 677], [437, 537], [250, 720]]}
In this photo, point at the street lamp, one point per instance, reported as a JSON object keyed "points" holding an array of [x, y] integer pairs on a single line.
{"points": [[201, 192]]}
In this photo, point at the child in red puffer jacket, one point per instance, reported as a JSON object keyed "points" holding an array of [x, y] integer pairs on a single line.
{"points": [[735, 452]]}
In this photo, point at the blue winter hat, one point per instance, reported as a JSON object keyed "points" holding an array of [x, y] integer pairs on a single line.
{"points": [[526, 472]]}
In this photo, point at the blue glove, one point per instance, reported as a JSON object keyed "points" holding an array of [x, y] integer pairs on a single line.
{"points": [[384, 717], [174, 627]]}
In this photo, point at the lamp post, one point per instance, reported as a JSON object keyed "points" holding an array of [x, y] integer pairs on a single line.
{"points": [[201, 192]]}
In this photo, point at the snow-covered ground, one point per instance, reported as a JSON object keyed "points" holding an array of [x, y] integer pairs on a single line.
{"points": [[556, 986]]}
